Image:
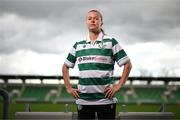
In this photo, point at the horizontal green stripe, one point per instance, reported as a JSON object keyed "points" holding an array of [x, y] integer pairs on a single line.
{"points": [[82, 42], [120, 55], [96, 81], [92, 96], [86, 52], [107, 40], [104, 41], [71, 58], [96, 66]]}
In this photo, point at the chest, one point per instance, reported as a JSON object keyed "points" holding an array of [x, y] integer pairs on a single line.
{"points": [[99, 48], [98, 52]]}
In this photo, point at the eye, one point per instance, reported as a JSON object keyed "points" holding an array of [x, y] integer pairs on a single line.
{"points": [[96, 18], [89, 18]]}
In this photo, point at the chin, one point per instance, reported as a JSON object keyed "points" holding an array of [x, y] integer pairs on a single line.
{"points": [[94, 30]]}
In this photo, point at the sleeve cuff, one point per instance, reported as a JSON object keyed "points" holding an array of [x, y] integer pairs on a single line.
{"points": [[69, 64], [123, 61]]}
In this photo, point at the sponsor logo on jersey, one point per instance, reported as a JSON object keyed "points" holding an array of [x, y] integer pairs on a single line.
{"points": [[94, 58]]}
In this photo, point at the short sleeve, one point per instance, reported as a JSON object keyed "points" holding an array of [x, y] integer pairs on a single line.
{"points": [[119, 54], [71, 58]]}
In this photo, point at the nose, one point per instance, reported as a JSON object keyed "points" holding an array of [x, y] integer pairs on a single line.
{"points": [[92, 21]]}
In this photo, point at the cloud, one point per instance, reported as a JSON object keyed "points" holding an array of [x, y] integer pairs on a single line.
{"points": [[41, 32], [140, 21], [19, 33], [144, 21], [154, 57], [28, 62]]}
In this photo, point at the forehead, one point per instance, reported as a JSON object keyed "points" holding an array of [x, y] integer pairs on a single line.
{"points": [[93, 14]]}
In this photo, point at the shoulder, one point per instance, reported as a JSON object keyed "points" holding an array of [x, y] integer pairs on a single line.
{"points": [[79, 43], [107, 37], [111, 39]]}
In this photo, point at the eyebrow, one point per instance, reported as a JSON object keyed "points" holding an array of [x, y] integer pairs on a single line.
{"points": [[92, 17]]}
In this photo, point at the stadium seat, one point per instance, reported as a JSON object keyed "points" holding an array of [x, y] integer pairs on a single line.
{"points": [[73, 116], [146, 116], [44, 115]]}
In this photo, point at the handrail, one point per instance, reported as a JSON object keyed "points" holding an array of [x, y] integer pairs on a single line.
{"points": [[41, 77], [5, 96]]}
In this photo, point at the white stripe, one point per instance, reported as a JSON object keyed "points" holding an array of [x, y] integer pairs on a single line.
{"points": [[107, 45], [96, 102], [95, 74], [95, 59], [73, 51], [107, 37], [123, 60], [69, 64], [116, 48], [92, 88]]}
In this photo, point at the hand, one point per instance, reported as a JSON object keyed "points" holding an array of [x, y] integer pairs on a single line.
{"points": [[111, 90], [73, 92]]}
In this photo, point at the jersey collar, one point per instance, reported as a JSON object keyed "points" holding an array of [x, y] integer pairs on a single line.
{"points": [[100, 37]]}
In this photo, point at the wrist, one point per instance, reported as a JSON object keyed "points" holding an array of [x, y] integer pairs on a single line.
{"points": [[68, 87], [120, 83]]}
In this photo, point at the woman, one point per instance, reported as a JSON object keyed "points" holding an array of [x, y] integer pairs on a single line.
{"points": [[96, 56]]}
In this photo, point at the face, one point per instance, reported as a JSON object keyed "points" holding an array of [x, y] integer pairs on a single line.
{"points": [[93, 21]]}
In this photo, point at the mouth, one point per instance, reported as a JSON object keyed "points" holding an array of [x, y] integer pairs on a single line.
{"points": [[92, 24]]}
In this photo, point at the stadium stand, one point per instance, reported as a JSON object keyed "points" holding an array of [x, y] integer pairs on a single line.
{"points": [[36, 92], [57, 92], [135, 94], [26, 92]]}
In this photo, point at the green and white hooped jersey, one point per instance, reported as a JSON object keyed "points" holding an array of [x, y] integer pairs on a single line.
{"points": [[96, 65]]}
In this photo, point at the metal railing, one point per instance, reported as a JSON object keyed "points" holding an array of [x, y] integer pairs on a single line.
{"points": [[41, 77], [5, 96]]}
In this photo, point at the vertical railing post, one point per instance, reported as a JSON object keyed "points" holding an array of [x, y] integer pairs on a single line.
{"points": [[5, 96]]}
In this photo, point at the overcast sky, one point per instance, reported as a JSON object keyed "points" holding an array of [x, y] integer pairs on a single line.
{"points": [[36, 35]]}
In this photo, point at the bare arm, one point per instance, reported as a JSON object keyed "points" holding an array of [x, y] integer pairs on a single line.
{"points": [[125, 74], [69, 89], [110, 91]]}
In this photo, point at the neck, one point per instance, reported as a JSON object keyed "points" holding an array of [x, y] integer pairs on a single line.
{"points": [[93, 35]]}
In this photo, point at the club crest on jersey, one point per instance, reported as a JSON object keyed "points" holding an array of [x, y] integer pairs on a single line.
{"points": [[102, 45]]}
